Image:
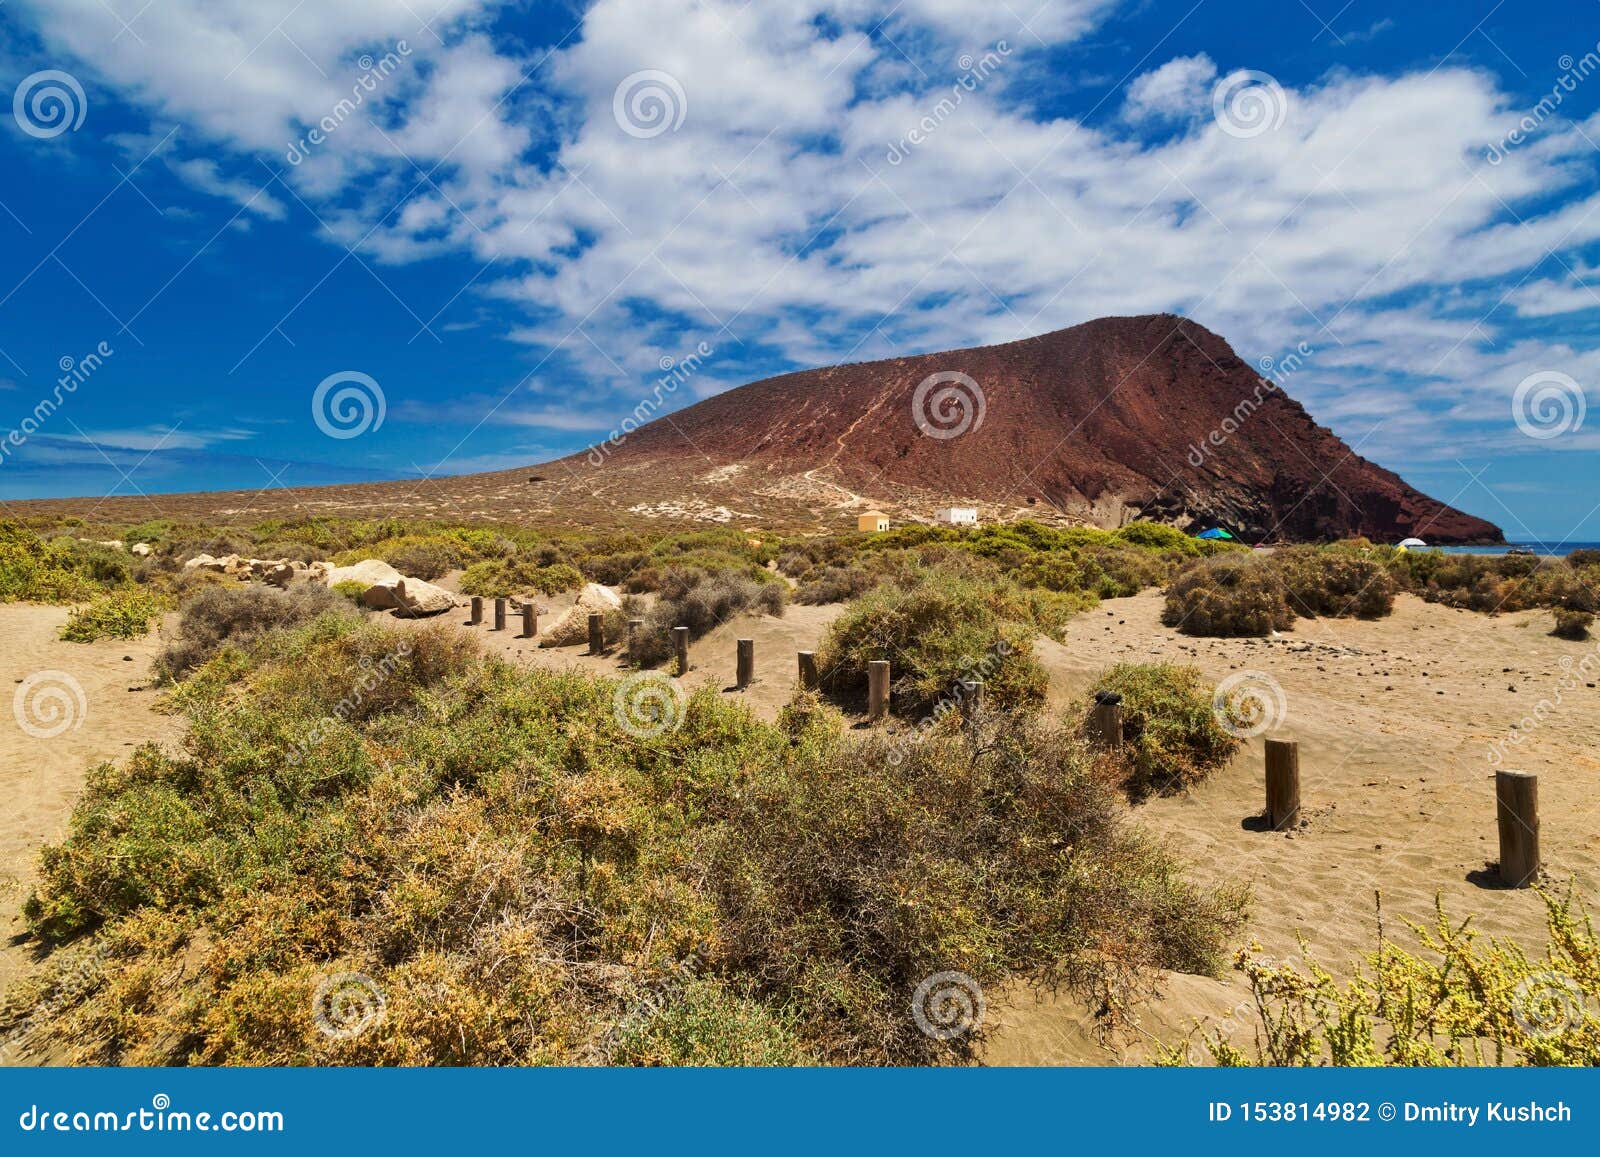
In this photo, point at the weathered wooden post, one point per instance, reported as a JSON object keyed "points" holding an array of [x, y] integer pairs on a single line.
{"points": [[1283, 783], [635, 629], [808, 670], [499, 614], [971, 700], [745, 663], [597, 632], [680, 644], [477, 610], [1106, 722], [1517, 799], [530, 620], [877, 689]]}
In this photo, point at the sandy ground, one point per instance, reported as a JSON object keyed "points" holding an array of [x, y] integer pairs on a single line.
{"points": [[97, 695], [1397, 721]]}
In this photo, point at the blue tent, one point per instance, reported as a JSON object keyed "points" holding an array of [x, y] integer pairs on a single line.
{"points": [[1214, 532]]}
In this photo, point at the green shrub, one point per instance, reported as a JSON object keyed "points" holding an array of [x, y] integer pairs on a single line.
{"points": [[524, 879], [1334, 583], [1460, 1001], [219, 616], [835, 584], [939, 626], [512, 578], [701, 601], [1227, 596], [121, 614], [1171, 737], [1573, 624]]}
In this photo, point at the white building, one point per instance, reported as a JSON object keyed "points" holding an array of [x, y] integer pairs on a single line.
{"points": [[956, 516]]}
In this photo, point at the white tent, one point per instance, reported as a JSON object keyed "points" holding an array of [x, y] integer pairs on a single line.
{"points": [[1407, 543]]}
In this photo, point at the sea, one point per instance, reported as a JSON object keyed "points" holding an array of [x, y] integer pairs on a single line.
{"points": [[1553, 549]]}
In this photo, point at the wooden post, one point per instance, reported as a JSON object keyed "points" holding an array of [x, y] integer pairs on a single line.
{"points": [[1283, 783], [635, 629], [745, 663], [680, 644], [1517, 797], [530, 620], [597, 632], [499, 614], [877, 689], [808, 670], [477, 610], [971, 700], [1106, 723]]}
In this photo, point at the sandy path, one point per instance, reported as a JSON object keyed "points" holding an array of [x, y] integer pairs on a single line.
{"points": [[97, 696], [1396, 720]]}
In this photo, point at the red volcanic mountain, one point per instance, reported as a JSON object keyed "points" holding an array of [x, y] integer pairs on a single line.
{"points": [[1124, 417]]}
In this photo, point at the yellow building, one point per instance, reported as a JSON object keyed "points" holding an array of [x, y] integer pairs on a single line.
{"points": [[872, 522]]}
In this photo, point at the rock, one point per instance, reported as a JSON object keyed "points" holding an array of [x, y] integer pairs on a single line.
{"points": [[206, 563], [142, 549], [370, 572], [573, 624], [415, 598], [281, 574]]}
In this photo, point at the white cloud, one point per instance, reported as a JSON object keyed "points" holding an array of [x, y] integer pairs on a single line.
{"points": [[1179, 89]]}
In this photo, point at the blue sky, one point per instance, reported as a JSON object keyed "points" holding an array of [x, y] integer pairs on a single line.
{"points": [[532, 207]]}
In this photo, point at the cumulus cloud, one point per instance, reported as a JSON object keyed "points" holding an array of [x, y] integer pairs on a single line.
{"points": [[1179, 89]]}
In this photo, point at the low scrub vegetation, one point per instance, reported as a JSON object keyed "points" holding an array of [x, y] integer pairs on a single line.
{"points": [[512, 876], [512, 578], [123, 613], [1171, 737], [1462, 1000], [1226, 597], [1573, 624], [226, 616], [941, 625], [701, 600]]}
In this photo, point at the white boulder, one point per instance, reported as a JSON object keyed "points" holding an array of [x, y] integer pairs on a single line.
{"points": [[572, 626]]}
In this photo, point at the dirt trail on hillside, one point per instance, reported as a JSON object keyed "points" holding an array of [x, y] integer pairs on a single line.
{"points": [[67, 707]]}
